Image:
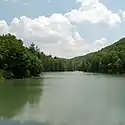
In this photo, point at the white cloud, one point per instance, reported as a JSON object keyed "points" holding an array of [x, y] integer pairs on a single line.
{"points": [[47, 29], [102, 41], [11, 0], [57, 35], [95, 12], [54, 34], [3, 27], [122, 15], [83, 47]]}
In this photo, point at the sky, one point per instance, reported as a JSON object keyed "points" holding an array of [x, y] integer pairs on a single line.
{"points": [[64, 28]]}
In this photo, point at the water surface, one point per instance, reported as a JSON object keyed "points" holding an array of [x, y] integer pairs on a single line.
{"points": [[66, 98]]}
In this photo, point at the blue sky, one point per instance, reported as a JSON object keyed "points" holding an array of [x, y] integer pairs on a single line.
{"points": [[35, 8], [64, 28]]}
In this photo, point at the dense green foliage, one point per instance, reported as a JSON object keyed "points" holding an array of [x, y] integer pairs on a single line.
{"points": [[18, 61], [16, 58], [110, 59]]}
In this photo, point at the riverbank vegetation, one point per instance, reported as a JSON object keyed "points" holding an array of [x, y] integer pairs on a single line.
{"points": [[18, 61], [110, 59]]}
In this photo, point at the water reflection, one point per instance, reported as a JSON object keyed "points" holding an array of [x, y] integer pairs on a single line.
{"points": [[67, 99], [15, 94], [12, 122]]}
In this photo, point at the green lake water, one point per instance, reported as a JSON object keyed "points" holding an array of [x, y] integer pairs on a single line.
{"points": [[65, 98]]}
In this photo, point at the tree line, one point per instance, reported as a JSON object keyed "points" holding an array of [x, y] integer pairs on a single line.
{"points": [[19, 61], [110, 59]]}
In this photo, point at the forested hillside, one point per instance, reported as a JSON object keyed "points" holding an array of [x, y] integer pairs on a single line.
{"points": [[18, 61], [110, 59]]}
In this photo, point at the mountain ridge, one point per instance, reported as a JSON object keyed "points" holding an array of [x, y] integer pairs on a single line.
{"points": [[110, 59]]}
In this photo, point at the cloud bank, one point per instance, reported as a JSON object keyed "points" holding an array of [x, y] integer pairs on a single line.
{"points": [[58, 35]]}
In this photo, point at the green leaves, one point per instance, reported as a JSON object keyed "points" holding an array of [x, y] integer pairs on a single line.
{"points": [[16, 58], [23, 62], [108, 60]]}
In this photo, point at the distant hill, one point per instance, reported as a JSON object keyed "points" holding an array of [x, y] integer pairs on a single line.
{"points": [[110, 59]]}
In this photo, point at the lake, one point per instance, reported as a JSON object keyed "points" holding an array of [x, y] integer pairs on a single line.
{"points": [[65, 98]]}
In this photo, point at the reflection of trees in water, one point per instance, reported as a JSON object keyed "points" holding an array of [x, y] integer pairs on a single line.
{"points": [[12, 122], [14, 94]]}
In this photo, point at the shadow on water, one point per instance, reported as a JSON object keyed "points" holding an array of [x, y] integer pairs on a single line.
{"points": [[12, 122], [15, 94]]}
